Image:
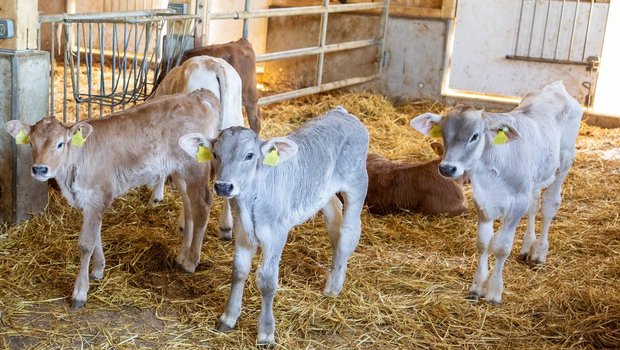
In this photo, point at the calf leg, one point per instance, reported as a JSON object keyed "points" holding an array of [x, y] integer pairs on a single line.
{"points": [[201, 200], [550, 205], [530, 234], [242, 262], [267, 280], [226, 222], [158, 192], [345, 241], [501, 246], [90, 234], [98, 260], [253, 112], [483, 239], [186, 216]]}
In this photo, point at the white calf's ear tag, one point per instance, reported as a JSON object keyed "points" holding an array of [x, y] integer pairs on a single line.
{"points": [[272, 158]]}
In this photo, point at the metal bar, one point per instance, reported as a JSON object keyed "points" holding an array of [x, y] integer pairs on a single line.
{"points": [[545, 60], [101, 67], [585, 41], [68, 17], [557, 39], [529, 46], [64, 71], [308, 51], [544, 37], [89, 67], [519, 26], [77, 81], [246, 21], [114, 48], [207, 25], [293, 11], [322, 38], [572, 34], [315, 89], [52, 72], [383, 35]]}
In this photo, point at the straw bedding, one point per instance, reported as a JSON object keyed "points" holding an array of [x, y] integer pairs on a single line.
{"points": [[406, 282]]}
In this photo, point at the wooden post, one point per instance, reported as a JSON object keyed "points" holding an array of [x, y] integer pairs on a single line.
{"points": [[25, 14]]}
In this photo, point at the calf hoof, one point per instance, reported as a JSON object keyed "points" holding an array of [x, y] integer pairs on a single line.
{"points": [[494, 300], [77, 304], [223, 327], [522, 257], [226, 234], [473, 296], [96, 275], [266, 341]]}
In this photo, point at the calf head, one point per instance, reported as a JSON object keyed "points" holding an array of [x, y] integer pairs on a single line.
{"points": [[239, 154], [50, 141], [466, 132]]}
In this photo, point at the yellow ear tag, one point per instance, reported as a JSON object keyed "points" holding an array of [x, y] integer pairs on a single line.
{"points": [[204, 154], [500, 138], [435, 131], [77, 139], [22, 138], [272, 158]]}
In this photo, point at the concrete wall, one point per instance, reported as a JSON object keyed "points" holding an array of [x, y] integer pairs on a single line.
{"points": [[23, 96], [223, 31]]}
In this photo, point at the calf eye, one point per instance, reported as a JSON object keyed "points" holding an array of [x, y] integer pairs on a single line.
{"points": [[474, 138], [59, 146], [249, 156]]}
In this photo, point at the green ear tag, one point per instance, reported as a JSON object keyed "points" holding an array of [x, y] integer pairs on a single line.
{"points": [[22, 138], [77, 139], [204, 154], [272, 158], [500, 138], [435, 131]]}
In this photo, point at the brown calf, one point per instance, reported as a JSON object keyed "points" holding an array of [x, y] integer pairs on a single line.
{"points": [[395, 186], [121, 151], [240, 55]]}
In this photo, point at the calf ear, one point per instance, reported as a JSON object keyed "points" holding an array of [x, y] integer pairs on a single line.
{"points": [[79, 133], [438, 148], [19, 130], [502, 133], [191, 144], [424, 123], [285, 148]]}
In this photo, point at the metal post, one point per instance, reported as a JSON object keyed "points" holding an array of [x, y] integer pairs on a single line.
{"points": [[544, 37], [572, 34], [585, 42], [555, 54], [519, 26], [529, 46], [322, 38], [246, 21], [52, 66], [384, 22]]}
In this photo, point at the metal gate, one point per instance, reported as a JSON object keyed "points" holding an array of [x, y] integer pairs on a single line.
{"points": [[321, 49], [112, 59]]}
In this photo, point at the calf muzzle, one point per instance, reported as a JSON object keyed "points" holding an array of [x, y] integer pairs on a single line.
{"points": [[39, 170], [447, 170], [223, 189]]}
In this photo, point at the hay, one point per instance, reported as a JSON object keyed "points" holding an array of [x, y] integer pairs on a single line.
{"points": [[406, 282]]}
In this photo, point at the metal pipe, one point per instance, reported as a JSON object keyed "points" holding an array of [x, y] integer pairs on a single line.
{"points": [[52, 67], [89, 67], [585, 41], [544, 37], [383, 34], [76, 90], [68, 17], [246, 21], [322, 39], [308, 51], [315, 89], [293, 11], [101, 68], [572, 34], [529, 46], [557, 39], [519, 26]]}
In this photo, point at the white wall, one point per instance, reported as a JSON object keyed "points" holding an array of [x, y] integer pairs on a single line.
{"points": [[223, 31], [486, 32]]}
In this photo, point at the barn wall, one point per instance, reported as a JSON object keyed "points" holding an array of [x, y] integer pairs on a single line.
{"points": [[486, 34], [414, 64]]}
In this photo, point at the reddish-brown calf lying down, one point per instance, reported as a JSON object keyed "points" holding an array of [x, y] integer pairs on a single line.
{"points": [[395, 186], [240, 55]]}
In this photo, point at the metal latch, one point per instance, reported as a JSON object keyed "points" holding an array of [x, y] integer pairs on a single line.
{"points": [[7, 28], [593, 63]]}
